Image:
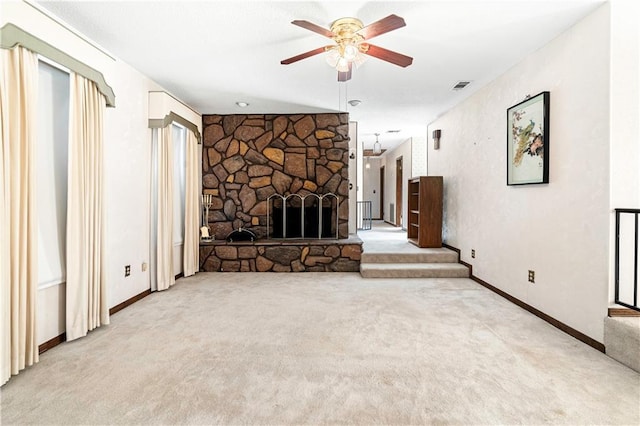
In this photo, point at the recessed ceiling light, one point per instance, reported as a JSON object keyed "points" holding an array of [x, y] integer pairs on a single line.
{"points": [[355, 102], [242, 104]]}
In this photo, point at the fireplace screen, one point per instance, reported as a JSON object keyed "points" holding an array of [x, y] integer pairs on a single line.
{"points": [[295, 216]]}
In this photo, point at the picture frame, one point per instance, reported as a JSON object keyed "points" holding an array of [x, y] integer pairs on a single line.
{"points": [[528, 141]]}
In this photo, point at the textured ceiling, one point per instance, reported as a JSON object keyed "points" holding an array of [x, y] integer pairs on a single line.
{"points": [[214, 53]]}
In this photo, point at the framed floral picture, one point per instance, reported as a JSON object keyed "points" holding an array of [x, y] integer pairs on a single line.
{"points": [[528, 141]]}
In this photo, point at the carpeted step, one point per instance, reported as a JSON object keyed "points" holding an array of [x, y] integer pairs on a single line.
{"points": [[435, 255], [622, 340], [413, 270]]}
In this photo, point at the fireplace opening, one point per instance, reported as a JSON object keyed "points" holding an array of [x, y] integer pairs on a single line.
{"points": [[312, 216]]}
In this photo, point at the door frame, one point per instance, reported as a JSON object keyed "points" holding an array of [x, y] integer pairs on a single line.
{"points": [[399, 191], [381, 210]]}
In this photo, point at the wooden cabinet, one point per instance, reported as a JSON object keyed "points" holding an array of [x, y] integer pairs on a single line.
{"points": [[425, 211]]}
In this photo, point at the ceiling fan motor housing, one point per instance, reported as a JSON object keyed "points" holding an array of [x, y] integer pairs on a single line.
{"points": [[345, 32]]}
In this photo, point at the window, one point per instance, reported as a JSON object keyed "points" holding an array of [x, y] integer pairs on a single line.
{"points": [[179, 137], [51, 158], [179, 146]]}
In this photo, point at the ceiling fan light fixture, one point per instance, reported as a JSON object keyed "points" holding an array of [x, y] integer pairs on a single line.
{"points": [[359, 59], [342, 65], [350, 52], [332, 57], [340, 58]]}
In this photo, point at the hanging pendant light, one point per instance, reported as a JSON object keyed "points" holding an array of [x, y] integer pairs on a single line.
{"points": [[377, 148]]}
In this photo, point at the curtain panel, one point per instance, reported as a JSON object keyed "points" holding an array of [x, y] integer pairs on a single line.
{"points": [[18, 236], [87, 306], [191, 208], [164, 250]]}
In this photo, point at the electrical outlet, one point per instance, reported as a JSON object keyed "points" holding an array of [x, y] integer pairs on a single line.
{"points": [[532, 276], [127, 270], [144, 266], [473, 253]]}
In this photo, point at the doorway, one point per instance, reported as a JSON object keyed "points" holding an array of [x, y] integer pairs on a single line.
{"points": [[399, 191], [381, 211]]}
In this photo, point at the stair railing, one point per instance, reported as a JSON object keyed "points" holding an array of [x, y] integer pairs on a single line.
{"points": [[364, 215], [626, 279]]}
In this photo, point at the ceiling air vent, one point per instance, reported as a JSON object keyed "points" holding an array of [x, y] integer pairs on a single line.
{"points": [[460, 85]]}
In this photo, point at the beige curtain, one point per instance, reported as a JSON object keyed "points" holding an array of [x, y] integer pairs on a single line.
{"points": [[87, 306], [164, 248], [191, 208], [18, 238]]}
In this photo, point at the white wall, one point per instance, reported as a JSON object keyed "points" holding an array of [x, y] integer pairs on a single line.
{"points": [[389, 161], [625, 116], [127, 164], [559, 230], [419, 156]]}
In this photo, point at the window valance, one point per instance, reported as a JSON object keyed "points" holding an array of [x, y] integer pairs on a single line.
{"points": [[11, 36], [160, 123]]}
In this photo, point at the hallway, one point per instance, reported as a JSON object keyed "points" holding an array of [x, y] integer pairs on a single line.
{"points": [[386, 238]]}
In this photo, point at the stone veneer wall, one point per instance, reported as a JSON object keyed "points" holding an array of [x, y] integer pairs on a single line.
{"points": [[282, 256], [247, 158]]}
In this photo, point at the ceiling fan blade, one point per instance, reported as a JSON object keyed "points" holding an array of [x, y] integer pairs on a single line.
{"points": [[303, 56], [345, 76], [387, 55], [313, 27], [390, 23]]}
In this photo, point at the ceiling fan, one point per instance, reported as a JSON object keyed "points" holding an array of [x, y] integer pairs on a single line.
{"points": [[351, 43]]}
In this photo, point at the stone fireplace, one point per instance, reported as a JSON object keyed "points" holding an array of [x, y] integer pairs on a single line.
{"points": [[271, 173], [248, 158]]}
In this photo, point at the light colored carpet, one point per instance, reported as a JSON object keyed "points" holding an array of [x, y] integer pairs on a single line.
{"points": [[323, 348], [385, 238]]}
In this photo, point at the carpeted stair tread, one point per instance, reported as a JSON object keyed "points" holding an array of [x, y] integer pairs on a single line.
{"points": [[424, 256], [413, 270], [622, 340]]}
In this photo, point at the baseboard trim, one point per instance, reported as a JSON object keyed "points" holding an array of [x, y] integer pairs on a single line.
{"points": [[389, 223], [128, 302], [51, 343], [548, 318]]}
